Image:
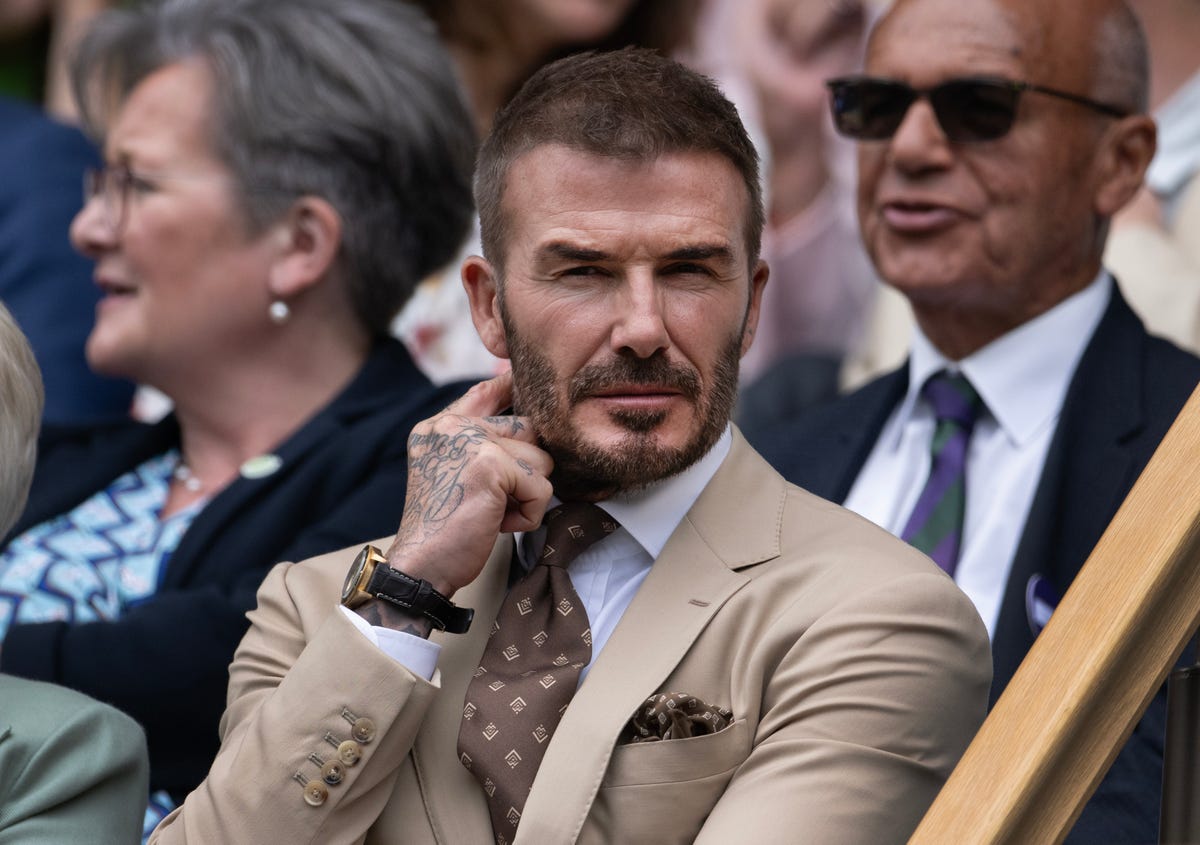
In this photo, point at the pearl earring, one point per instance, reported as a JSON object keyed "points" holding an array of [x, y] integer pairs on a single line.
{"points": [[279, 312]]}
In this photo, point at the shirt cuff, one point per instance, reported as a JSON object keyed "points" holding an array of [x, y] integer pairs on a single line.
{"points": [[416, 654]]}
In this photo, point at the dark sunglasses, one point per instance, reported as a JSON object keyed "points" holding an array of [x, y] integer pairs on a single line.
{"points": [[969, 109]]}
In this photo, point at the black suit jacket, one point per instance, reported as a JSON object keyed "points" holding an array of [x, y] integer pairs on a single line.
{"points": [[1124, 395], [342, 481]]}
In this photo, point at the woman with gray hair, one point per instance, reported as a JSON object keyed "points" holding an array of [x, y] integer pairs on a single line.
{"points": [[278, 177]]}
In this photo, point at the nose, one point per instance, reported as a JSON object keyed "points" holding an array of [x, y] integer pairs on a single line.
{"points": [[919, 143], [640, 327], [91, 230]]}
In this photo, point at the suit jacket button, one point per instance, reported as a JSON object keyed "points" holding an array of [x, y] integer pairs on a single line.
{"points": [[363, 730], [315, 793], [333, 772], [349, 752]]}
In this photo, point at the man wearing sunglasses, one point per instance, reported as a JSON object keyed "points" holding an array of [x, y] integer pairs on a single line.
{"points": [[997, 138]]}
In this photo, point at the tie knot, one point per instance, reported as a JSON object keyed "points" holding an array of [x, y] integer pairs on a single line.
{"points": [[571, 528], [953, 399]]}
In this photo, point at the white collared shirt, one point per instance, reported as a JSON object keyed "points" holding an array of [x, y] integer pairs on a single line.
{"points": [[1023, 379], [608, 574]]}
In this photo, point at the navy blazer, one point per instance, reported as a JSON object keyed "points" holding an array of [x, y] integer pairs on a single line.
{"points": [[1124, 395], [44, 282], [342, 481]]}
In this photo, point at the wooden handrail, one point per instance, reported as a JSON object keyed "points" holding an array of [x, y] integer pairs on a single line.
{"points": [[1091, 673]]}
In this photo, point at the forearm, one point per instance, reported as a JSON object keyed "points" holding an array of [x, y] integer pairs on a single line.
{"points": [[295, 697]]}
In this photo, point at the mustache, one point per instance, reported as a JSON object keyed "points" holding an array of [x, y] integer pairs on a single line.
{"points": [[655, 370]]}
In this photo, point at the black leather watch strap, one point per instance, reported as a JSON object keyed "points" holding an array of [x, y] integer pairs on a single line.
{"points": [[419, 596]]}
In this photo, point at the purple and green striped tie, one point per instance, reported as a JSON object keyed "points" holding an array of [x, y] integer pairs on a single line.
{"points": [[936, 524]]}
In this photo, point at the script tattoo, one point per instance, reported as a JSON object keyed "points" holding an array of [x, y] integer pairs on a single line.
{"points": [[515, 426], [436, 462]]}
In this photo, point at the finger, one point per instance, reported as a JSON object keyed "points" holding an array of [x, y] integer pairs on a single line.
{"points": [[485, 399], [529, 458], [528, 497]]}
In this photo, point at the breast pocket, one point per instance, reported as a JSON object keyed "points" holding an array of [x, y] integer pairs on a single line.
{"points": [[679, 760], [660, 793]]}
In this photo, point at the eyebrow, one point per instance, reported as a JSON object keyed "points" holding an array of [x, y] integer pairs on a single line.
{"points": [[695, 252], [702, 252], [570, 252]]}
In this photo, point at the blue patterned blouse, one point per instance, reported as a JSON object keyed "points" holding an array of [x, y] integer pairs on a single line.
{"points": [[95, 562]]}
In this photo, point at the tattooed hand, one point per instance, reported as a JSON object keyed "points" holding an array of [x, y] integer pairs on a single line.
{"points": [[471, 475]]}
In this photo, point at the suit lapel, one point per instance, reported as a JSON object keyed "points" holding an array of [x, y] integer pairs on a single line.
{"points": [[1084, 478], [734, 523], [825, 450]]}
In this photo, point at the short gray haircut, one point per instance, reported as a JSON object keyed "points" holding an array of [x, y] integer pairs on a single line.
{"points": [[353, 101], [20, 415]]}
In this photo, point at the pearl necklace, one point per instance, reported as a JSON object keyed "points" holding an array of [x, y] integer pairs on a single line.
{"points": [[184, 475]]}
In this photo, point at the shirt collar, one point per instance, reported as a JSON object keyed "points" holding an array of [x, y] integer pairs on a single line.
{"points": [[651, 514], [1023, 375]]}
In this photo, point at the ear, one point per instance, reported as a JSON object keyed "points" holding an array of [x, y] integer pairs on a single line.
{"points": [[482, 284], [310, 235], [757, 283], [1121, 162]]}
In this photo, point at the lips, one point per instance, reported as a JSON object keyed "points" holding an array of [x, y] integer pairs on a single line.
{"points": [[111, 287], [635, 381], [634, 390], [918, 217]]}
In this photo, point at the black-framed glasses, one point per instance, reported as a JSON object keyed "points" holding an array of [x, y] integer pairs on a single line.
{"points": [[969, 109]]}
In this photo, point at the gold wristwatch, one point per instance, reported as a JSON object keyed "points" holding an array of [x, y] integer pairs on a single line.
{"points": [[371, 577]]}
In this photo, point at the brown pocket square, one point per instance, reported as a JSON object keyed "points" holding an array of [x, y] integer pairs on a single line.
{"points": [[675, 715]]}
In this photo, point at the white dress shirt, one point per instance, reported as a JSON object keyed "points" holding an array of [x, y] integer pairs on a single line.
{"points": [[1023, 379], [607, 575]]}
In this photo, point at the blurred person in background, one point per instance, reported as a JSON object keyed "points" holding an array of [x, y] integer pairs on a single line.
{"points": [[496, 47], [72, 771], [780, 54], [46, 284], [1155, 243], [36, 38], [277, 178], [996, 141]]}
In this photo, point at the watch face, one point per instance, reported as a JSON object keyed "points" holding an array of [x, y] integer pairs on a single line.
{"points": [[355, 575]]}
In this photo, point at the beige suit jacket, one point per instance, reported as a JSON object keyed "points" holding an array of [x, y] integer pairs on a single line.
{"points": [[856, 672]]}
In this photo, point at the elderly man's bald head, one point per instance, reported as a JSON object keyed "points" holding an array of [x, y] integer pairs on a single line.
{"points": [[1094, 46]]}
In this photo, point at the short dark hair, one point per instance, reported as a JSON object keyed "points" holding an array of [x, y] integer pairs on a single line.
{"points": [[354, 101], [628, 104]]}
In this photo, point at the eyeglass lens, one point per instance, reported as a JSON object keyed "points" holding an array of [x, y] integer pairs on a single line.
{"points": [[966, 109], [109, 184]]}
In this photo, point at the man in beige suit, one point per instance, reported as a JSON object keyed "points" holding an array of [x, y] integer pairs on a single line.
{"points": [[843, 674]]}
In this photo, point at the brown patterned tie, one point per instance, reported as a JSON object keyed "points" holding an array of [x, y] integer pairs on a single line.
{"points": [[530, 668]]}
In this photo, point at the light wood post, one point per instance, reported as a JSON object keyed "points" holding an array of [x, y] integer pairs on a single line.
{"points": [[1091, 673]]}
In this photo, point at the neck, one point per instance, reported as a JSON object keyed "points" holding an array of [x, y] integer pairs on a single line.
{"points": [[233, 412]]}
